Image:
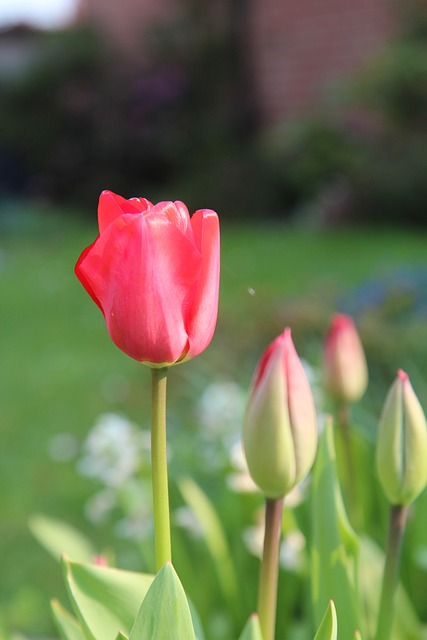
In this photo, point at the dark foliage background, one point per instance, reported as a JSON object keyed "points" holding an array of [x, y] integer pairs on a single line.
{"points": [[180, 117]]}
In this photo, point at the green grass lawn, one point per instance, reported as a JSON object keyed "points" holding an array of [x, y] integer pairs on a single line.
{"points": [[59, 370]]}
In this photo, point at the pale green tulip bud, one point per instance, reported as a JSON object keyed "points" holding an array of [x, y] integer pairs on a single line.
{"points": [[280, 429], [345, 372], [401, 455]]}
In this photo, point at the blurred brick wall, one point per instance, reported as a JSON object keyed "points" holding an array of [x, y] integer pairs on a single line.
{"points": [[294, 50], [125, 20], [301, 47]]}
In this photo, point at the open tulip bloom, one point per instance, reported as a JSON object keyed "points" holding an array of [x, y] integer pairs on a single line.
{"points": [[154, 273]]}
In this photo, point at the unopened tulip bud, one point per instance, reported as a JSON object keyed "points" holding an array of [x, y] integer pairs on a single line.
{"points": [[401, 455], [280, 429], [345, 372]]}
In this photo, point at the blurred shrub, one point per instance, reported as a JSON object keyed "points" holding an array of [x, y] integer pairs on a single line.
{"points": [[366, 158], [84, 119], [396, 84], [179, 117], [81, 120]]}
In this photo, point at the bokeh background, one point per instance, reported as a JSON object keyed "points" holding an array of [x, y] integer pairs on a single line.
{"points": [[304, 125]]}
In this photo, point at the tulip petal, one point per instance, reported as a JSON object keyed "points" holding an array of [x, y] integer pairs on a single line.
{"points": [[81, 275], [111, 206], [151, 254], [389, 455], [415, 444], [264, 360], [175, 212], [202, 303], [301, 409]]}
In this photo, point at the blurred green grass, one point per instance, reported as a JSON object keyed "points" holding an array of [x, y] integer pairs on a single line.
{"points": [[59, 370]]}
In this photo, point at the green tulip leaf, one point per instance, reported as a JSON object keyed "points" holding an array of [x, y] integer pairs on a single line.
{"points": [[105, 600], [121, 636], [252, 630], [58, 537], [214, 536], [164, 613], [197, 625], [328, 628], [335, 546], [371, 563], [68, 627]]}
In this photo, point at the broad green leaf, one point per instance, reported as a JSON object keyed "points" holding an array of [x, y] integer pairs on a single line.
{"points": [[68, 627], [58, 537], [164, 613], [213, 534], [105, 600], [371, 563], [334, 544], [252, 630], [328, 629]]}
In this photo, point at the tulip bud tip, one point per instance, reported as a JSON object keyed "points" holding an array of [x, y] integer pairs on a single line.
{"points": [[402, 375], [341, 320]]}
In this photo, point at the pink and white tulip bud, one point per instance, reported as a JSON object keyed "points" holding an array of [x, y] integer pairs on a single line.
{"points": [[401, 453], [280, 427], [345, 372]]}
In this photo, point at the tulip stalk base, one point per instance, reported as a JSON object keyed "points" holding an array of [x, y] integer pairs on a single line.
{"points": [[348, 470], [267, 595], [398, 515], [159, 468]]}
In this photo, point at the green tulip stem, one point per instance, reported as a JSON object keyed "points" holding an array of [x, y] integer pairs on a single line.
{"points": [[267, 595], [159, 468], [343, 419], [398, 515], [344, 431]]}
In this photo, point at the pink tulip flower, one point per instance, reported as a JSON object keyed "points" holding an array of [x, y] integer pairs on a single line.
{"points": [[280, 426], [154, 273], [345, 372]]}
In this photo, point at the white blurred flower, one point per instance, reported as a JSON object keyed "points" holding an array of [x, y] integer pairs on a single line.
{"points": [[136, 527], [113, 450], [298, 493], [253, 537], [291, 551], [220, 408], [240, 481], [100, 505], [291, 548], [185, 517], [135, 502]]}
